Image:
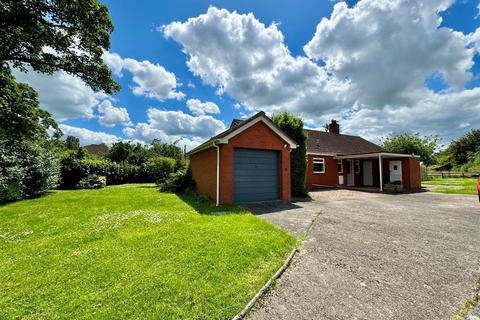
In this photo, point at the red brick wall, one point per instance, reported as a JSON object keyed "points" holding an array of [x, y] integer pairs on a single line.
{"points": [[258, 136], [411, 178], [204, 171], [329, 178]]}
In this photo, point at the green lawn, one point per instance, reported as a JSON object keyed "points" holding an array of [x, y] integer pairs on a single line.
{"points": [[455, 185], [131, 252]]}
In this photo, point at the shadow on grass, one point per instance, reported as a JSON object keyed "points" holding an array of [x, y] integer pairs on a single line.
{"points": [[203, 205], [38, 196]]}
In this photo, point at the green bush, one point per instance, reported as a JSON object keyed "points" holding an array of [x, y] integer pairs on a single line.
{"points": [[26, 170], [178, 182], [293, 127], [92, 182], [159, 168]]}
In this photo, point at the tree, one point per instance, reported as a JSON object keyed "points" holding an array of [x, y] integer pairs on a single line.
{"points": [[72, 143], [424, 146], [465, 148], [120, 152], [20, 115], [170, 150], [293, 127], [53, 35]]}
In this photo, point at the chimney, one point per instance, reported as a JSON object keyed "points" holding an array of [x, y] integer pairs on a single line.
{"points": [[334, 127]]}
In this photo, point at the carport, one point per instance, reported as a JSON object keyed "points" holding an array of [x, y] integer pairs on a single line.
{"points": [[383, 168]]}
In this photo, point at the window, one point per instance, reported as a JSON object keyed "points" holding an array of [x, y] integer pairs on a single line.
{"points": [[340, 166], [357, 166], [318, 165]]}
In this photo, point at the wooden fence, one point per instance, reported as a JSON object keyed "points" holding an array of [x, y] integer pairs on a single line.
{"points": [[450, 174]]}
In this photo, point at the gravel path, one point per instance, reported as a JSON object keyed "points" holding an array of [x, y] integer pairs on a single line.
{"points": [[378, 256]]}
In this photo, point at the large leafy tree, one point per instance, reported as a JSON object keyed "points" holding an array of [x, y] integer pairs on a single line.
{"points": [[293, 127], [53, 35], [20, 115], [465, 148], [424, 146]]}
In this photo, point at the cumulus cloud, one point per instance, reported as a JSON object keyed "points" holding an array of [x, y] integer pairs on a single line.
{"points": [[111, 116], [388, 49], [171, 126], [241, 56], [368, 64], [63, 95], [200, 108], [151, 79], [88, 136]]}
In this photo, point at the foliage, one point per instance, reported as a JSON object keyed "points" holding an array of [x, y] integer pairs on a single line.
{"points": [[120, 152], [72, 143], [75, 246], [293, 127], [465, 148], [20, 115], [74, 169], [26, 170], [424, 146], [170, 150], [179, 181], [92, 182], [53, 35], [159, 168]]}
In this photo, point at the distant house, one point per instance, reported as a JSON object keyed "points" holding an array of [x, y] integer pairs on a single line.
{"points": [[97, 148], [250, 161]]}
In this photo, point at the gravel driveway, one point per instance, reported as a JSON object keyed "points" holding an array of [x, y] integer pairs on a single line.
{"points": [[378, 256]]}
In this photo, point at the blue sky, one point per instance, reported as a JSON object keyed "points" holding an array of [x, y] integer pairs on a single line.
{"points": [[378, 68]]}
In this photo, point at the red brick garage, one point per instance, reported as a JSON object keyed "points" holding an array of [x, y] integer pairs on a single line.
{"points": [[248, 162]]}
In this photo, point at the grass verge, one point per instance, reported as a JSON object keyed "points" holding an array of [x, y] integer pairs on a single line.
{"points": [[454, 185], [132, 252]]}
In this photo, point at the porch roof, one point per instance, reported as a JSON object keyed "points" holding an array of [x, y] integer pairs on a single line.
{"points": [[375, 155]]}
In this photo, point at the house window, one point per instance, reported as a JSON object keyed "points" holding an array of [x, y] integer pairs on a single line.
{"points": [[340, 166], [357, 166], [318, 165]]}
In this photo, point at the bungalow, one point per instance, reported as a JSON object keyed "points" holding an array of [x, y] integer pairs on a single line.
{"points": [[250, 161], [340, 160]]}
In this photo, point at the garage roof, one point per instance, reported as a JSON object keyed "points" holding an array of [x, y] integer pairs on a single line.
{"points": [[239, 126]]}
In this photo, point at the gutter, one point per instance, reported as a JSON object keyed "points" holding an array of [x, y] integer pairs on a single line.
{"points": [[217, 202]]}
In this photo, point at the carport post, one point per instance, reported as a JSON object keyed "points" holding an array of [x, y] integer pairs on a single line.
{"points": [[380, 165]]}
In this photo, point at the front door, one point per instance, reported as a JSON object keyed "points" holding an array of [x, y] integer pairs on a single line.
{"points": [[395, 171], [350, 178], [367, 173]]}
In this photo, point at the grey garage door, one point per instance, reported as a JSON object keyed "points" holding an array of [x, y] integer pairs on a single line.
{"points": [[256, 175]]}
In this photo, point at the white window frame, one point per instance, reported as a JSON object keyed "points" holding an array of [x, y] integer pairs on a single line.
{"points": [[341, 165], [356, 165], [318, 160]]}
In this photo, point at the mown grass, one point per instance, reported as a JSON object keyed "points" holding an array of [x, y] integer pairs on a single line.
{"points": [[455, 185], [132, 252]]}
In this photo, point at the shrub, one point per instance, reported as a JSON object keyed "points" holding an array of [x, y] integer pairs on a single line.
{"points": [[73, 170], [178, 182], [293, 127], [159, 168], [92, 182], [26, 170]]}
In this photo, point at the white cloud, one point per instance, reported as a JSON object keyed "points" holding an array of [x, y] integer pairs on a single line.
{"points": [[111, 116], [151, 79], [242, 57], [63, 95], [388, 49], [368, 63], [171, 126], [200, 108], [88, 136]]}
